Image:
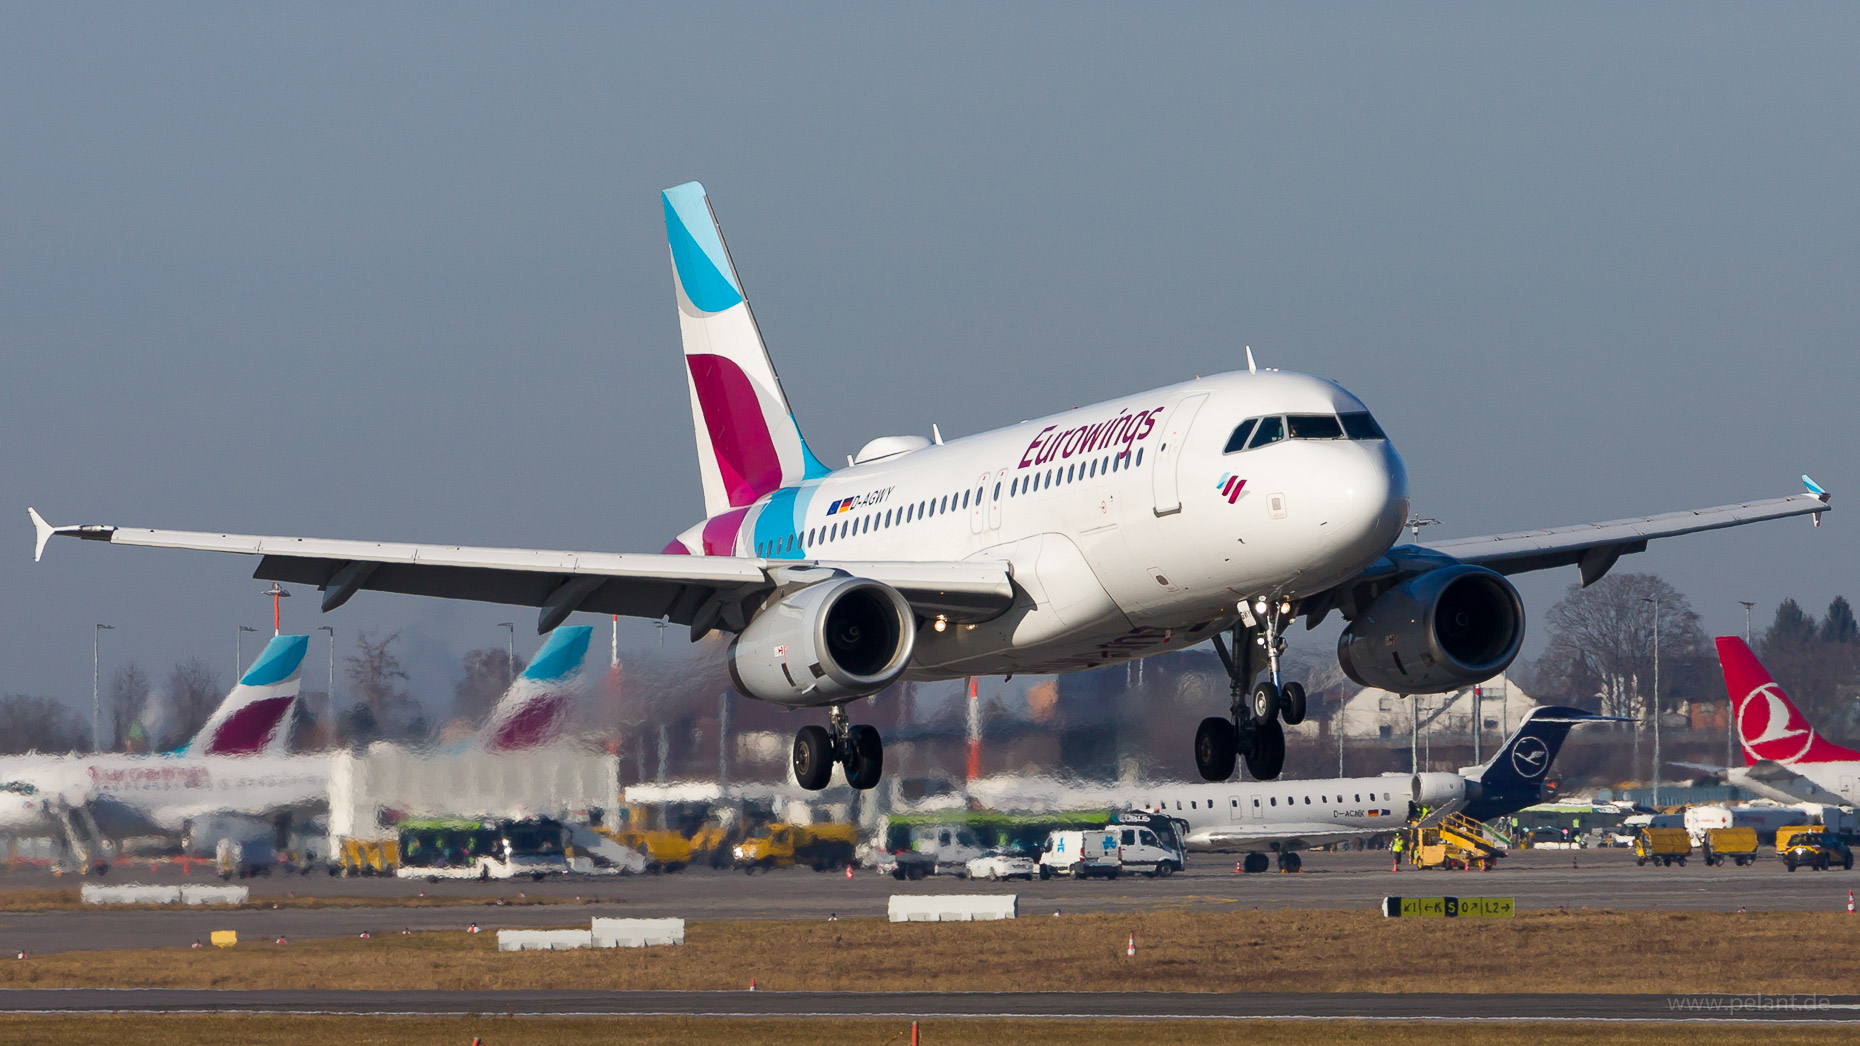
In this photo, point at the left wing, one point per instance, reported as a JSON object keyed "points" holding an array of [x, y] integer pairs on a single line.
{"points": [[703, 592], [1594, 547]]}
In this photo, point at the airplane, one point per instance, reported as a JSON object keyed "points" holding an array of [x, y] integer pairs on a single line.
{"points": [[232, 769], [1785, 758], [1287, 816], [1219, 509]]}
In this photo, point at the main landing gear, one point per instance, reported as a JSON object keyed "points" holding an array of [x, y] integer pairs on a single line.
{"points": [[1252, 726], [857, 749]]}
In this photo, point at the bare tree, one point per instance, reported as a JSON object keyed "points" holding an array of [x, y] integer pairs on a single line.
{"points": [[194, 690], [488, 673], [38, 724], [129, 692], [1601, 644], [375, 675]]}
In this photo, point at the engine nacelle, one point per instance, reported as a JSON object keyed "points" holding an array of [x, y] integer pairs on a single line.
{"points": [[1434, 789], [1446, 629], [824, 644]]}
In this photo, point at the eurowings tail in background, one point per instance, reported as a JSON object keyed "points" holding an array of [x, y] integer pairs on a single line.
{"points": [[536, 708], [254, 717]]}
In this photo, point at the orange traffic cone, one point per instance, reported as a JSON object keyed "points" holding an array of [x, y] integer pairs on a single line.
{"points": [[1130, 948], [1850, 902], [752, 984], [849, 871], [1236, 867]]}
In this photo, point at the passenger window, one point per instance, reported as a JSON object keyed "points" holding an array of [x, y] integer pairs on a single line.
{"points": [[1237, 441], [1274, 800], [1271, 430], [1307, 800], [965, 499], [1070, 470], [1315, 426], [1359, 425], [1139, 457], [997, 490], [1359, 797], [1093, 470]]}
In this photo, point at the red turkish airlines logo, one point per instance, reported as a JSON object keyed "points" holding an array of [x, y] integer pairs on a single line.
{"points": [[1770, 726]]}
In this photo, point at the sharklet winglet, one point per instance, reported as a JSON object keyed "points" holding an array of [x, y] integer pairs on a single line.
{"points": [[42, 533]]}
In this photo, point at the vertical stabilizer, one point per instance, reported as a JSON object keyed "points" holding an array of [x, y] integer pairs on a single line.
{"points": [[1769, 726], [253, 718], [747, 439], [536, 707]]}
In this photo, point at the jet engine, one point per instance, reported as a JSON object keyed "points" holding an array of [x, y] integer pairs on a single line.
{"points": [[1443, 630], [824, 644], [1435, 789]]}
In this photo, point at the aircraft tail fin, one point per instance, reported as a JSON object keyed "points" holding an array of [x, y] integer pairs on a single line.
{"points": [[1524, 759], [535, 709], [254, 717], [1769, 725], [748, 442]]}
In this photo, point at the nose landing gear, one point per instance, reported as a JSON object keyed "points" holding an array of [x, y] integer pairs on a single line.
{"points": [[857, 749], [1251, 729]]}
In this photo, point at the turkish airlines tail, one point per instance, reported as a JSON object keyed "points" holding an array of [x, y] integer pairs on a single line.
{"points": [[535, 708], [1769, 725], [748, 442], [252, 718]]}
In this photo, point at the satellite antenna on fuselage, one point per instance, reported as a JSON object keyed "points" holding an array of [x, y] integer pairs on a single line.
{"points": [[1251, 367]]}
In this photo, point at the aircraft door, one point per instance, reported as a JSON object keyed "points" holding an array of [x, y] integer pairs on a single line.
{"points": [[1164, 483], [977, 515], [997, 490]]}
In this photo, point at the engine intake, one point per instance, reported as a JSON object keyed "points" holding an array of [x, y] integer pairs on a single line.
{"points": [[1443, 630], [825, 643]]}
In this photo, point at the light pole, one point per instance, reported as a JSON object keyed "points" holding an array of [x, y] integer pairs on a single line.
{"points": [[331, 696], [1656, 703], [277, 592], [510, 652], [239, 652], [96, 700]]}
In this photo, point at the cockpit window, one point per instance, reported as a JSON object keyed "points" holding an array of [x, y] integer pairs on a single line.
{"points": [[1238, 440], [1271, 430], [19, 788], [1315, 426], [1360, 425]]}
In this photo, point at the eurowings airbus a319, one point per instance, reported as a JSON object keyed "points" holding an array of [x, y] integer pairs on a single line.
{"points": [[1222, 509]]}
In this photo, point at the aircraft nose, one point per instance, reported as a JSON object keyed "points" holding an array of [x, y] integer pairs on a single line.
{"points": [[1363, 502]]}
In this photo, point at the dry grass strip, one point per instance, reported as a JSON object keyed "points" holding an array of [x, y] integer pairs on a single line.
{"points": [[1275, 951]]}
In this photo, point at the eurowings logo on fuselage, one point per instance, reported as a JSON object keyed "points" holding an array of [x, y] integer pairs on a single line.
{"points": [[1230, 487]]}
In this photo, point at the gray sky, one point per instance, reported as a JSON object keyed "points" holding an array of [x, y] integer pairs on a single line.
{"points": [[401, 274]]}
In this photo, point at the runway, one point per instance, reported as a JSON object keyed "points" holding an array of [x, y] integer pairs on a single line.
{"points": [[1843, 1009], [1539, 880]]}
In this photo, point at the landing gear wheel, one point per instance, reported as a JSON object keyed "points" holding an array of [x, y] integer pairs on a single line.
{"points": [[1216, 748], [1265, 702], [813, 758], [865, 757], [1290, 862], [1254, 864], [1266, 756], [1292, 704]]}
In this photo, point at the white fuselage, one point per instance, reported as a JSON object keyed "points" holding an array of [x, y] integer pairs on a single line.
{"points": [[164, 791], [1833, 782], [1313, 812], [1121, 520]]}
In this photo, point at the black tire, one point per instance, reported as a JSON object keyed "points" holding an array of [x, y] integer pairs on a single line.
{"points": [[813, 758], [1165, 869], [1265, 702], [1267, 755], [1790, 865], [1046, 873], [1847, 863], [1642, 861], [1821, 864], [1290, 862], [1292, 703], [1255, 863], [866, 761], [1217, 746]]}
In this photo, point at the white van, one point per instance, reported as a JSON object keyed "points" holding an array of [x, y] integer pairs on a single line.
{"points": [[1143, 848], [1081, 854]]}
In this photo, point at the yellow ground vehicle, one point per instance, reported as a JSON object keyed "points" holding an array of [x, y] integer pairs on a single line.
{"points": [[1457, 842], [671, 836], [366, 857], [1812, 847], [822, 847], [1662, 846], [1735, 844]]}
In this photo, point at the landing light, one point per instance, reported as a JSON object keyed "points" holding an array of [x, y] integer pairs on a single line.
{"points": [[941, 623], [1259, 607]]}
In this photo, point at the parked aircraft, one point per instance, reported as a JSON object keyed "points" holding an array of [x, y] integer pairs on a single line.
{"points": [[1785, 758], [1220, 509], [1287, 816], [232, 770]]}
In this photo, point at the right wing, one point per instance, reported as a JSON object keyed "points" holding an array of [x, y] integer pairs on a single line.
{"points": [[703, 592], [1230, 839]]}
